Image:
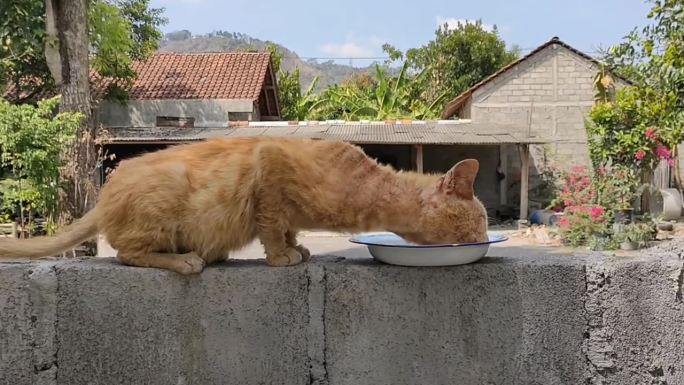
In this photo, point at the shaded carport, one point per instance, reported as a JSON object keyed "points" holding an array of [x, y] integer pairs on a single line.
{"points": [[416, 135]]}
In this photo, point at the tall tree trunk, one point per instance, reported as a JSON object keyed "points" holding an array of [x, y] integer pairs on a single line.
{"points": [[67, 28]]}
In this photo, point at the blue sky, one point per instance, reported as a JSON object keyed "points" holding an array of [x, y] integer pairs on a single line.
{"points": [[357, 28]]}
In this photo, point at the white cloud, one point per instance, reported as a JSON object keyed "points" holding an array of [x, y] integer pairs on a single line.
{"points": [[353, 47], [348, 49], [452, 22], [376, 41]]}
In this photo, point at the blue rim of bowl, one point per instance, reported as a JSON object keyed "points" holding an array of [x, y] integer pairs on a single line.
{"points": [[354, 239]]}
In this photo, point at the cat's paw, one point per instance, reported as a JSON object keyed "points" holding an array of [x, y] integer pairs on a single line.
{"points": [[288, 258], [306, 255], [190, 263]]}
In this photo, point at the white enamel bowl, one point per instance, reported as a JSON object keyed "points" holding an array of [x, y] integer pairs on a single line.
{"points": [[394, 250]]}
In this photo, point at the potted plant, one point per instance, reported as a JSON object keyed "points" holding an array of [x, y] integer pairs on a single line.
{"points": [[634, 235], [600, 240]]}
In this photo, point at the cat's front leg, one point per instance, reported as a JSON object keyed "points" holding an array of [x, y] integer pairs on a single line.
{"points": [[278, 252], [291, 240]]}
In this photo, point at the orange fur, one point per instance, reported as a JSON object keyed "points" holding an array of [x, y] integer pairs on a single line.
{"points": [[190, 205]]}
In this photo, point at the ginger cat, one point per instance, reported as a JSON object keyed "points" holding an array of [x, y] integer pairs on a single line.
{"points": [[190, 205]]}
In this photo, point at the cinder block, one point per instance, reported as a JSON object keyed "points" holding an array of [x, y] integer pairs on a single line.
{"points": [[239, 323], [476, 324], [28, 316]]}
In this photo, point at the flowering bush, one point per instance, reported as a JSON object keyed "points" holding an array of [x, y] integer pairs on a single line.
{"points": [[616, 186], [629, 131], [575, 189], [581, 222], [583, 218]]}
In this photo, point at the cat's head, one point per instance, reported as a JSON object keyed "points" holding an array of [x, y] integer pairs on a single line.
{"points": [[451, 212]]}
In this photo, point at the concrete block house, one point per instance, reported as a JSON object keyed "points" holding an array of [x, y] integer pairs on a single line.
{"points": [[547, 94], [197, 89], [190, 92]]}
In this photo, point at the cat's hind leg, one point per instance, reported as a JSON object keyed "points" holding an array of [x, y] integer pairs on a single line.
{"points": [[186, 264], [291, 240]]}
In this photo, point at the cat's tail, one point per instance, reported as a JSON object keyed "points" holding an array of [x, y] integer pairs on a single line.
{"points": [[79, 231]]}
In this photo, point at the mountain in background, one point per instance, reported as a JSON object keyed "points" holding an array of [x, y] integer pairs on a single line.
{"points": [[221, 41]]}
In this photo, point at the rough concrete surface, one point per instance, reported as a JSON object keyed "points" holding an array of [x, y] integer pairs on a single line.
{"points": [[488, 323], [27, 324], [534, 320], [237, 324], [636, 322]]}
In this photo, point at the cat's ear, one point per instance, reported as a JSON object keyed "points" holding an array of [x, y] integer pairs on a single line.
{"points": [[460, 179]]}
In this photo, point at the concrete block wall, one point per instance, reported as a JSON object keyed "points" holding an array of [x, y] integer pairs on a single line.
{"points": [[537, 320], [548, 96], [207, 112]]}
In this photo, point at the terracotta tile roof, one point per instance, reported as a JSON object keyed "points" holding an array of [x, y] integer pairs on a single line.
{"points": [[452, 106], [201, 76], [229, 75]]}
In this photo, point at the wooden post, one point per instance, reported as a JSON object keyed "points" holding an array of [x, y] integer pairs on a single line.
{"points": [[524, 181], [503, 188], [419, 158]]}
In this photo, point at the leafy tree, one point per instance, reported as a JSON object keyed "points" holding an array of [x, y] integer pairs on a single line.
{"points": [[69, 66], [293, 104], [653, 59], [120, 31], [178, 35], [145, 22], [32, 140], [458, 57], [627, 131], [113, 32], [22, 38], [378, 98]]}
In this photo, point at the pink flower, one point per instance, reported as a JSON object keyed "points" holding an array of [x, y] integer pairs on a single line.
{"points": [[577, 169], [564, 222], [597, 212], [650, 133], [640, 154], [670, 162], [663, 152]]}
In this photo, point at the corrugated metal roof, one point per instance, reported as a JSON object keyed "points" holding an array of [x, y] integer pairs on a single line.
{"points": [[362, 133]]}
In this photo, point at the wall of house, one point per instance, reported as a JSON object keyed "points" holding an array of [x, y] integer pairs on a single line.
{"points": [[547, 96], [207, 112]]}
